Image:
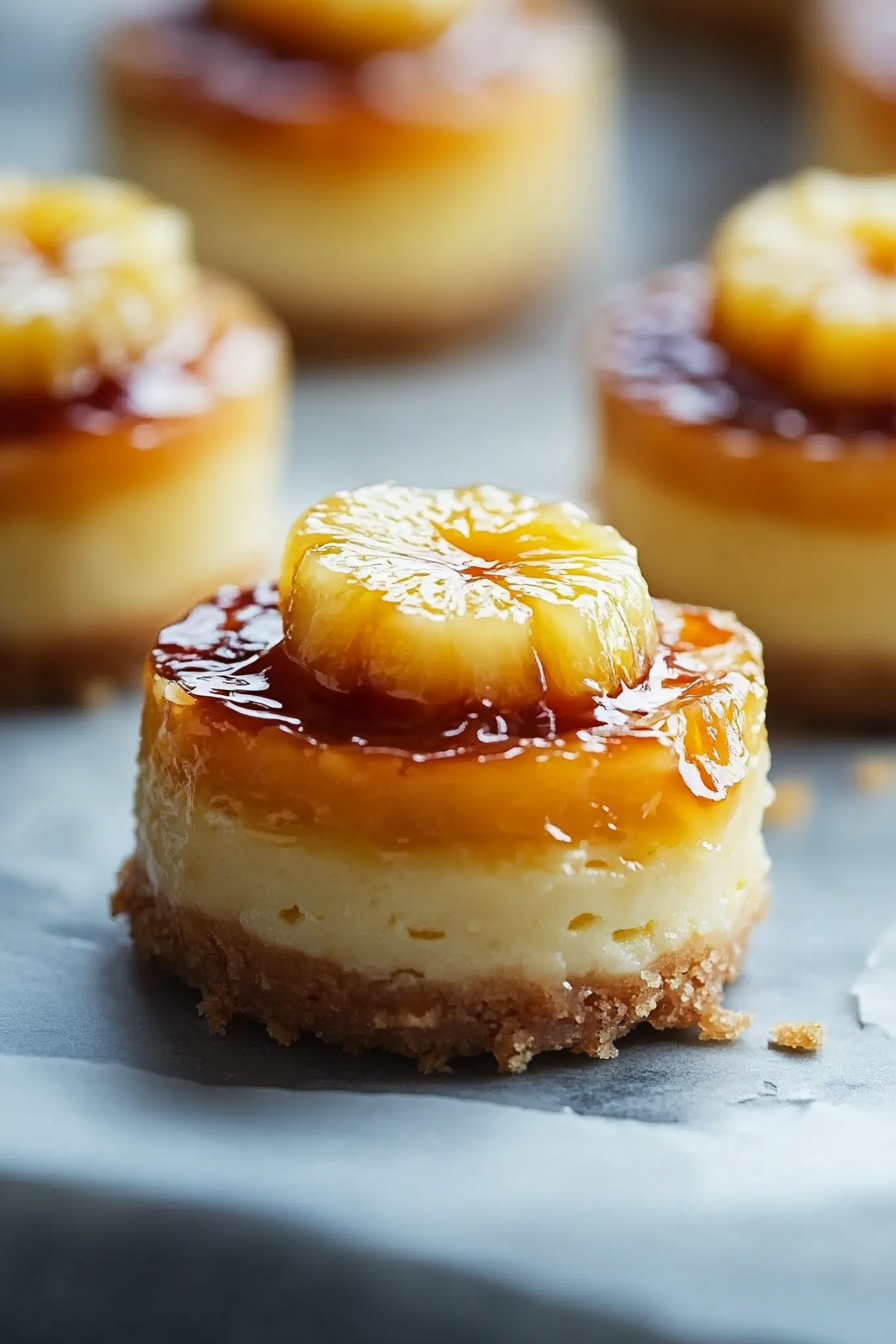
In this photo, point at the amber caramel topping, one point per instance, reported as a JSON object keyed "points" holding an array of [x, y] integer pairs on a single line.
{"points": [[657, 342], [674, 404], [691, 729], [203, 382], [218, 351], [453, 87]]}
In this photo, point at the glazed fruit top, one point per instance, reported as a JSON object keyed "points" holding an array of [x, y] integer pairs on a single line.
{"points": [[346, 29], [805, 276], [446, 597], [227, 718], [92, 274]]}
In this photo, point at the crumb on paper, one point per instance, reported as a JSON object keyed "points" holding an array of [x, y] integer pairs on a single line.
{"points": [[804, 1036], [722, 1024], [792, 803], [874, 774]]}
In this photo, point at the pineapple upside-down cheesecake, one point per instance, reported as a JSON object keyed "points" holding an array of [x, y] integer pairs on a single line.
{"points": [[748, 417], [850, 65], [139, 403], [460, 788], [386, 175]]}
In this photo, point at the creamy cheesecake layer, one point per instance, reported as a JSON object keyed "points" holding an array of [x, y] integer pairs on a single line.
{"points": [[802, 586], [454, 235], [420, 190], [452, 913], [139, 553]]}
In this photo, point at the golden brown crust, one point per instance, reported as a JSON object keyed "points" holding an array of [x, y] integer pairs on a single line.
{"points": [[721, 1024], [73, 670], [82, 668], [835, 690], [806, 1037], [346, 337], [432, 1022]]}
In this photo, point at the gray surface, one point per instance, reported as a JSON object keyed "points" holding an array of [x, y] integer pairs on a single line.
{"points": [[431, 1213]]}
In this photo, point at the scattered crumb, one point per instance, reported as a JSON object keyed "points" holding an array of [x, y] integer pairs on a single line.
{"points": [[808, 1036], [721, 1024], [873, 774], [794, 800]]}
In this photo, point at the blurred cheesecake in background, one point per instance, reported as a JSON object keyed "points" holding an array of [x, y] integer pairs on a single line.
{"points": [[460, 787], [139, 417], [748, 415], [851, 80], [385, 173]]}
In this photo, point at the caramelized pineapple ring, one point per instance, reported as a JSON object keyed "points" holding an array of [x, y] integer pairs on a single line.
{"points": [[342, 28], [444, 596], [805, 276], [91, 274]]}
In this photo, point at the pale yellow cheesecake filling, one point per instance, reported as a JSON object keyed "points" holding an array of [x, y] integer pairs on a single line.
{"points": [[441, 237], [802, 588], [546, 913], [142, 554]]}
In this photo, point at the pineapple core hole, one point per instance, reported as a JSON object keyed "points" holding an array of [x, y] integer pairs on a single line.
{"points": [[581, 922], [628, 935], [427, 935], [292, 915]]}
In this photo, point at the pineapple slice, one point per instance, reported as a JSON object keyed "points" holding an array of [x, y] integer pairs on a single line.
{"points": [[92, 273], [342, 28], [805, 279], [453, 596]]}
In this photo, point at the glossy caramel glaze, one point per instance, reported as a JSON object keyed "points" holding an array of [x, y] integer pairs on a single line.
{"points": [[672, 401], [212, 375], [228, 711], [658, 341], [462, 84]]}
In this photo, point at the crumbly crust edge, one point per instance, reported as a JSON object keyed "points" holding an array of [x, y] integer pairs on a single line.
{"points": [[86, 667], [430, 1021], [73, 669], [829, 689]]}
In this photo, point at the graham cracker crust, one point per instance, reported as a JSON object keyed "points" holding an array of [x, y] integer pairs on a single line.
{"points": [[836, 690], [75, 670], [327, 338], [432, 1022], [85, 669]]}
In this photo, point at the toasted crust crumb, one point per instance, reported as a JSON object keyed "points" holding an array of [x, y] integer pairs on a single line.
{"points": [[721, 1024], [806, 1036], [294, 993], [874, 774], [793, 801]]}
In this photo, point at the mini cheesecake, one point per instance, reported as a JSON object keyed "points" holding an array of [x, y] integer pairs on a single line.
{"points": [[460, 788], [378, 200], [850, 48], [139, 417], [748, 429]]}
